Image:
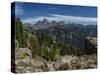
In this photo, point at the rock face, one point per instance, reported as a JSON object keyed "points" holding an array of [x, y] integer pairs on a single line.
{"points": [[90, 45], [23, 57], [24, 62], [76, 62]]}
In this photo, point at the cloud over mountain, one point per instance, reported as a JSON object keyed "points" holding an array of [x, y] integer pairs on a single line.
{"points": [[65, 18]]}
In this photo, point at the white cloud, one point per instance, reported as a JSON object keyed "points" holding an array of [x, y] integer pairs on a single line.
{"points": [[76, 19], [65, 18]]}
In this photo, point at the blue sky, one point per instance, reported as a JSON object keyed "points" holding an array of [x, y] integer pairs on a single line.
{"points": [[32, 12]]}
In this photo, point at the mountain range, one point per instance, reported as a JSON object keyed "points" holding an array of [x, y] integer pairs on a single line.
{"points": [[70, 34]]}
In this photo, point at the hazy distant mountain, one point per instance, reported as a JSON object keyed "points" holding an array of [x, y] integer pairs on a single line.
{"points": [[28, 26]]}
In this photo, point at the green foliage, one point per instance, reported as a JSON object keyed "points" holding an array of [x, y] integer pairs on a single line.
{"points": [[46, 47], [20, 34], [33, 45], [69, 50]]}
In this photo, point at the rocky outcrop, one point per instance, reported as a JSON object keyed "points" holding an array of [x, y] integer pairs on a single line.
{"points": [[24, 62], [76, 62], [23, 57], [90, 45]]}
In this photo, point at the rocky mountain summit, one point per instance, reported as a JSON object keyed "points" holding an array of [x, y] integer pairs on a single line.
{"points": [[45, 24]]}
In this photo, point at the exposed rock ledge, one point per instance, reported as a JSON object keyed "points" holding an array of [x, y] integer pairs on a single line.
{"points": [[25, 63]]}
